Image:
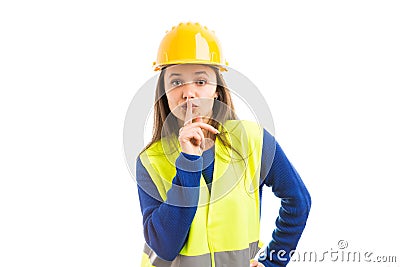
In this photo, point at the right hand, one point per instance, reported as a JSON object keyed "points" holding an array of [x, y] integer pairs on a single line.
{"points": [[191, 136]]}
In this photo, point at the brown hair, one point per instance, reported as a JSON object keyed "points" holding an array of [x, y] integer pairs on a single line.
{"points": [[223, 110]]}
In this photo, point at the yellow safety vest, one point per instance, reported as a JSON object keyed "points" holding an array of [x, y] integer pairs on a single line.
{"points": [[225, 229]]}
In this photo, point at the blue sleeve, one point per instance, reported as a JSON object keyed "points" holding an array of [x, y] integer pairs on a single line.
{"points": [[287, 185], [166, 223]]}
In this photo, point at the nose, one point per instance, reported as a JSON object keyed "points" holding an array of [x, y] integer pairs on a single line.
{"points": [[189, 90]]}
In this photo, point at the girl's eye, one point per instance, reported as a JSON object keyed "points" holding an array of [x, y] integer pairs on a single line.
{"points": [[201, 82], [176, 83]]}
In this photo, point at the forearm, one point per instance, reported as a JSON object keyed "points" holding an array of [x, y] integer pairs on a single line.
{"points": [[289, 228], [293, 213], [166, 223]]}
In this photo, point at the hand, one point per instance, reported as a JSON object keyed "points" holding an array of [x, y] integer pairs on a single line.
{"points": [[191, 136], [254, 263]]}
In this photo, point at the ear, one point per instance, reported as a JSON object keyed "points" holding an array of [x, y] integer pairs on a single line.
{"points": [[215, 95]]}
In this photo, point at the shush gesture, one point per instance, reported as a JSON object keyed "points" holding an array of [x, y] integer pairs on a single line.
{"points": [[191, 136]]}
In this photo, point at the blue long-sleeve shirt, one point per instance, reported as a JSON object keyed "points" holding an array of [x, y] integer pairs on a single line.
{"points": [[166, 225]]}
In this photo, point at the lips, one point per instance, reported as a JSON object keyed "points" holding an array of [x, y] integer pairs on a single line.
{"points": [[184, 106]]}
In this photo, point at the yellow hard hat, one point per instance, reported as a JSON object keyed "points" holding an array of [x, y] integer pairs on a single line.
{"points": [[190, 43]]}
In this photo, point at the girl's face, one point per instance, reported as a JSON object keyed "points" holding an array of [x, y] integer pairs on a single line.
{"points": [[190, 81]]}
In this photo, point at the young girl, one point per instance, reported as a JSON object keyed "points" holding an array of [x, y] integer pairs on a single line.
{"points": [[200, 178]]}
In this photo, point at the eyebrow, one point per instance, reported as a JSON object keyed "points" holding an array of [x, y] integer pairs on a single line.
{"points": [[201, 72], [196, 73], [174, 74]]}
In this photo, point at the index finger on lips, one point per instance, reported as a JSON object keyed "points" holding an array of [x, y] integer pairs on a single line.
{"points": [[188, 115]]}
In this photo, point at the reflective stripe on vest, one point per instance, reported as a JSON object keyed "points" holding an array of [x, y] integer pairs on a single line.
{"points": [[226, 226], [227, 258]]}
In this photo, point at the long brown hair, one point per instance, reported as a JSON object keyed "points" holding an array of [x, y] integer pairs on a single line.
{"points": [[223, 110]]}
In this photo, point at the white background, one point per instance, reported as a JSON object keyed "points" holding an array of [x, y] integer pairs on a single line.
{"points": [[329, 71]]}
